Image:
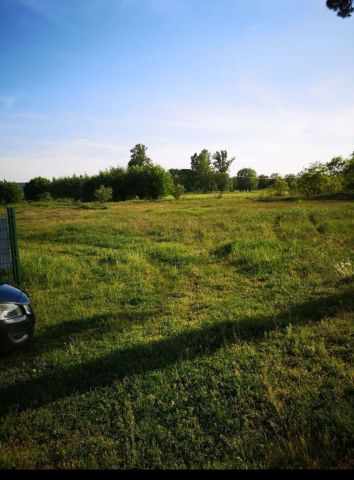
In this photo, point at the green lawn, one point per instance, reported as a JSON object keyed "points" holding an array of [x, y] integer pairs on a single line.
{"points": [[204, 333]]}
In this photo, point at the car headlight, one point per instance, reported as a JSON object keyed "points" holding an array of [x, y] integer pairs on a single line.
{"points": [[9, 310], [27, 309]]}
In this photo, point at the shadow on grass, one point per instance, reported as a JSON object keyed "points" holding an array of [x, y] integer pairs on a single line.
{"points": [[98, 323], [335, 196], [188, 345], [91, 206], [57, 335], [279, 199], [343, 196]]}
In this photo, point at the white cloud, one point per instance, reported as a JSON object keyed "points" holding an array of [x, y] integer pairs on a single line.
{"points": [[280, 140], [265, 129]]}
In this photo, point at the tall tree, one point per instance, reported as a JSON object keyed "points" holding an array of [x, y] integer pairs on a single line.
{"points": [[201, 162], [246, 180], [138, 157], [221, 163], [201, 165], [344, 8]]}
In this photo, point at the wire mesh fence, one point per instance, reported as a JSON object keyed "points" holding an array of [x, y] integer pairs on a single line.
{"points": [[9, 256], [5, 247]]}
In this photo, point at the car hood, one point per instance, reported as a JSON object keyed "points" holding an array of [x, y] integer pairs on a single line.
{"points": [[9, 294]]}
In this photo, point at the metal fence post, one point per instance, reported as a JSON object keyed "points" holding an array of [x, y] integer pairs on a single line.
{"points": [[14, 245]]}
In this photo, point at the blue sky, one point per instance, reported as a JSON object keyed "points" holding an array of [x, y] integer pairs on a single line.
{"points": [[83, 81]]}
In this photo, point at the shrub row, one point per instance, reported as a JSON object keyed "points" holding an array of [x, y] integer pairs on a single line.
{"points": [[149, 182]]}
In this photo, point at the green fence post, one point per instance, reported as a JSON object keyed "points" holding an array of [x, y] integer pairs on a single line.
{"points": [[14, 245]]}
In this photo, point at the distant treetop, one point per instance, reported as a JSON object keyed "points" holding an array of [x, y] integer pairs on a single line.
{"points": [[138, 156], [344, 8], [221, 162]]}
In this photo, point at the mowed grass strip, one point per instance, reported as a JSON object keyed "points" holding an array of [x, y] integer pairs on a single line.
{"points": [[204, 333]]}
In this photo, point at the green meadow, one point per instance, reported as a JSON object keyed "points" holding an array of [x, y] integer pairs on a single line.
{"points": [[201, 333]]}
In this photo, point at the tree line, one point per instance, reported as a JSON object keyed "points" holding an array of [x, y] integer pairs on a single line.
{"points": [[208, 172], [335, 176]]}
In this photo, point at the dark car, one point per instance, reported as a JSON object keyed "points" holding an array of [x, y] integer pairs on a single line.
{"points": [[16, 318]]}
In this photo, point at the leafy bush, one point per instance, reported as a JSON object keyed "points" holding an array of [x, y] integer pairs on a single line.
{"points": [[178, 191], [46, 196], [103, 194], [186, 177], [148, 182], [279, 188], [116, 178], [291, 180], [318, 179], [36, 187], [10, 192], [68, 187]]}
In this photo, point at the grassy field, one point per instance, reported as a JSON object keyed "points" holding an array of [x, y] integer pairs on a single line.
{"points": [[204, 333]]}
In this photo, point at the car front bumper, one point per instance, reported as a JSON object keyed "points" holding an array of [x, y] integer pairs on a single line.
{"points": [[15, 332]]}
